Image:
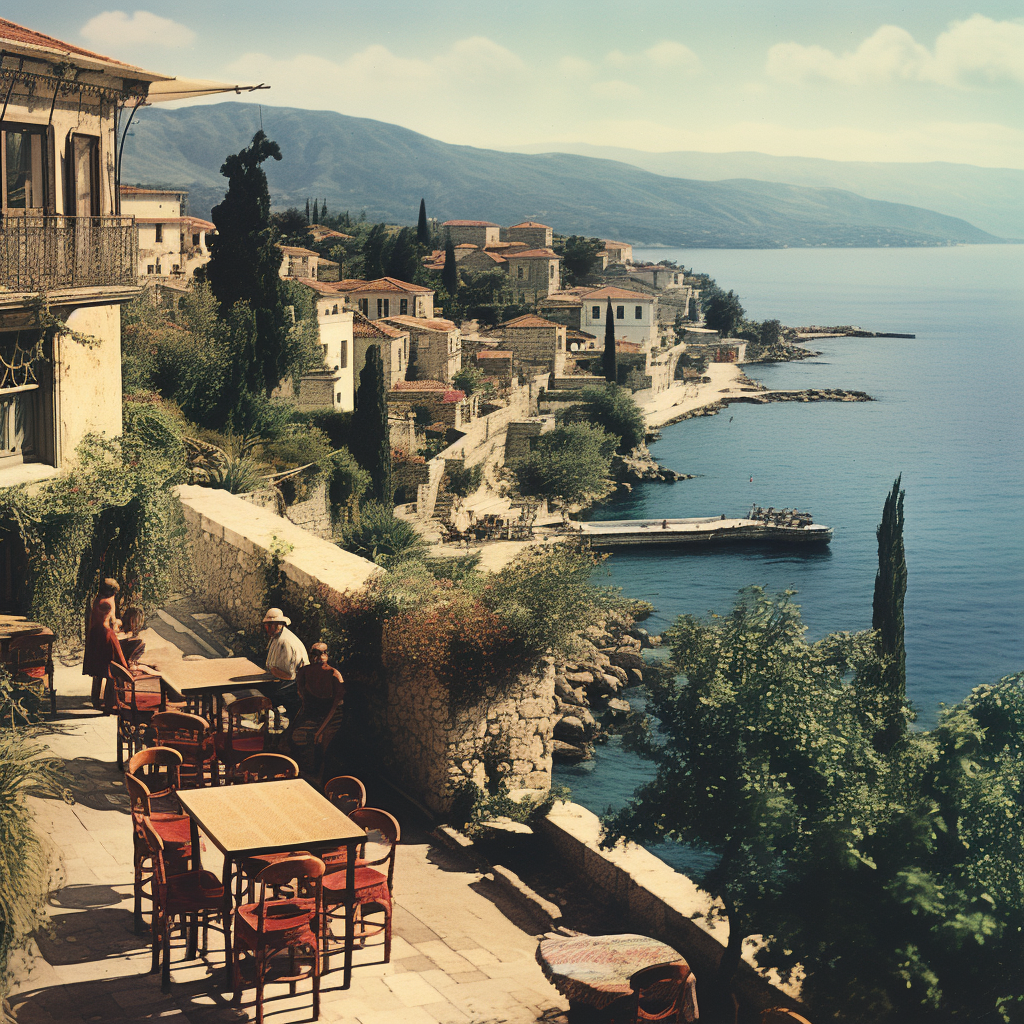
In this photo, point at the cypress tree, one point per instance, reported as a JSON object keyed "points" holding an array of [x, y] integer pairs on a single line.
{"points": [[887, 615], [244, 261], [316, 212], [370, 425], [323, 212], [374, 246], [307, 209], [423, 228], [608, 366], [449, 275]]}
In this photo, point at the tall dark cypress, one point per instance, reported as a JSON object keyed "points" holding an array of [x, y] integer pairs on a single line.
{"points": [[316, 212], [323, 212], [449, 275], [307, 209], [370, 425], [887, 615], [608, 365], [423, 228]]}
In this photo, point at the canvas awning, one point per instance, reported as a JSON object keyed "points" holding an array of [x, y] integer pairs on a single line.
{"points": [[193, 88]]}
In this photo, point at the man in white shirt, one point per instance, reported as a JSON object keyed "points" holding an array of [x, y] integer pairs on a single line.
{"points": [[285, 656]]}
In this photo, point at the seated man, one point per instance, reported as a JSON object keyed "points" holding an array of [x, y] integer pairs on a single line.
{"points": [[322, 692], [285, 656]]}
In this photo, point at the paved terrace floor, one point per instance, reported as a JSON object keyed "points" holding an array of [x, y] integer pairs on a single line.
{"points": [[458, 954]]}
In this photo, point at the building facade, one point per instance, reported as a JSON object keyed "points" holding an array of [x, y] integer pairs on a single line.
{"points": [[435, 347], [536, 344], [392, 342], [533, 274], [477, 232], [171, 244], [635, 315], [532, 234], [386, 297]]}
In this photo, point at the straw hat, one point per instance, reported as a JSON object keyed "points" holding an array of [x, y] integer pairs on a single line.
{"points": [[276, 615]]}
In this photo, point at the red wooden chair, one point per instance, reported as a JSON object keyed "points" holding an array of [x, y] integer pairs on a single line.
{"points": [[134, 708], [174, 830], [32, 656], [347, 793], [191, 736], [372, 887], [160, 769], [238, 741], [660, 992], [271, 926], [782, 1015], [190, 895]]}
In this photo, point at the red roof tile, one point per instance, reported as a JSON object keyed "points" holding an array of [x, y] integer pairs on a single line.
{"points": [[468, 224], [466, 245], [531, 224], [533, 254], [618, 293], [10, 32], [419, 385], [425, 323], [386, 284], [530, 320], [364, 328], [494, 354], [296, 250]]}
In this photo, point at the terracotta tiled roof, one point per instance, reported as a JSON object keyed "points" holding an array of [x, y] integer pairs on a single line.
{"points": [[387, 284], [502, 246], [132, 190], [534, 254], [618, 293], [494, 354], [531, 224], [318, 231], [468, 224], [321, 287], [12, 33], [609, 244], [296, 250], [560, 299], [193, 221], [466, 245], [364, 328], [621, 345], [419, 385], [425, 323], [530, 320], [579, 336]]}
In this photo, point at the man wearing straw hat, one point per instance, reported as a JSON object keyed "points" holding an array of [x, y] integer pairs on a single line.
{"points": [[285, 656]]}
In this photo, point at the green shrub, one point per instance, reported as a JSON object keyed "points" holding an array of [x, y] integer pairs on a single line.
{"points": [[615, 410], [465, 481], [382, 537]]}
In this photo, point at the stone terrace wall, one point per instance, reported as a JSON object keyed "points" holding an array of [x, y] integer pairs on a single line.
{"points": [[231, 542], [431, 753]]}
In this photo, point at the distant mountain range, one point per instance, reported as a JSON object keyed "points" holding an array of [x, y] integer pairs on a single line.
{"points": [[992, 198], [363, 165]]}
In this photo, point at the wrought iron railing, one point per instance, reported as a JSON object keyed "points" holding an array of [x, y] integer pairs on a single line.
{"points": [[40, 252]]}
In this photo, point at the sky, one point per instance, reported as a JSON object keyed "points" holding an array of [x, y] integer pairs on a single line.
{"points": [[907, 82]]}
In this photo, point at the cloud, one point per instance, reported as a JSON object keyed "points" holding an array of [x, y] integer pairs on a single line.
{"points": [[667, 55], [116, 30], [976, 51]]}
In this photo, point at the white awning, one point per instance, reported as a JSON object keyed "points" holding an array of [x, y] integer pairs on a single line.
{"points": [[192, 88]]}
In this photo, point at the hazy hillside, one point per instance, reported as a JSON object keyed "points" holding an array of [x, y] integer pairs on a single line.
{"points": [[988, 197], [359, 164]]}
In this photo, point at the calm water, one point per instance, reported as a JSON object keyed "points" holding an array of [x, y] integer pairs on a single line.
{"points": [[948, 416]]}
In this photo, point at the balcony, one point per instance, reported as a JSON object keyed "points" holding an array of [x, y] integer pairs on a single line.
{"points": [[51, 253]]}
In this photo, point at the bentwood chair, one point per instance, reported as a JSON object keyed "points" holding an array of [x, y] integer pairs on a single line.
{"points": [[782, 1015], [372, 887], [239, 741], [134, 708], [190, 895], [160, 769], [347, 793], [32, 655], [174, 830], [270, 926], [192, 737], [659, 992]]}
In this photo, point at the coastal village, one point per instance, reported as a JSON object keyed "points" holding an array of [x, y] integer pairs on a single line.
{"points": [[356, 591]]}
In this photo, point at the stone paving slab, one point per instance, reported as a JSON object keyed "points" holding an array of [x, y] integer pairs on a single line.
{"points": [[458, 953]]}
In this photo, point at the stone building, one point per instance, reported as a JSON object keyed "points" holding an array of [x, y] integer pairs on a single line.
{"points": [[658, 276], [537, 344], [392, 342], [565, 307], [333, 387], [534, 235], [436, 347], [171, 244], [297, 262], [618, 252], [478, 232], [533, 274], [387, 296], [480, 261], [443, 405], [635, 314]]}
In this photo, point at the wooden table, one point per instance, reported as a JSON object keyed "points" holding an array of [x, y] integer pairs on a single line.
{"points": [[595, 969], [17, 625], [206, 678], [271, 817], [12, 626]]}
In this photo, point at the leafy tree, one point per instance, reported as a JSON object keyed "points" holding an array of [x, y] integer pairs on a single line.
{"points": [[382, 537], [608, 367], [614, 409], [467, 379], [244, 261], [373, 252], [370, 425], [403, 256], [887, 615], [450, 274], [423, 226], [722, 310], [569, 464], [291, 227], [579, 258], [771, 333]]}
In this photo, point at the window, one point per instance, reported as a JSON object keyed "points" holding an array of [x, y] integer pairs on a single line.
{"points": [[383, 307], [84, 185], [344, 357], [595, 313], [551, 271], [150, 268], [403, 307], [26, 401], [195, 239], [639, 313], [159, 232], [620, 312], [364, 307], [519, 273], [335, 309], [338, 399], [25, 168]]}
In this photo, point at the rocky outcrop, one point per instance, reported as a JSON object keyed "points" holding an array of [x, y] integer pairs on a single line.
{"points": [[639, 465]]}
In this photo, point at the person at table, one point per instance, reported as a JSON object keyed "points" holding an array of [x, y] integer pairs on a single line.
{"points": [[322, 697], [133, 620], [285, 656], [101, 643]]}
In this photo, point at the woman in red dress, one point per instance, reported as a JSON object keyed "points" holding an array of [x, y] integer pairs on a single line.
{"points": [[101, 644]]}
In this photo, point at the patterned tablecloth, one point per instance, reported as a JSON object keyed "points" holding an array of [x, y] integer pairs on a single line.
{"points": [[595, 969]]}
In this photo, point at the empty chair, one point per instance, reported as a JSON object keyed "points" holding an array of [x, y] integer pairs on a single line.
{"points": [[134, 709], [782, 1015], [32, 656], [190, 895], [660, 992], [274, 925], [239, 741], [267, 768], [175, 832], [160, 769], [373, 887], [190, 735], [347, 793]]}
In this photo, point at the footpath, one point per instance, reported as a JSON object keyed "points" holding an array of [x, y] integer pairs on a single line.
{"points": [[462, 953]]}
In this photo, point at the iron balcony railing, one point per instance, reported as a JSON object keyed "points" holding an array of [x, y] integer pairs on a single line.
{"points": [[41, 252]]}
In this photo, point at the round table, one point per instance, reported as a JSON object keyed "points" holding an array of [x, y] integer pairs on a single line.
{"points": [[595, 969]]}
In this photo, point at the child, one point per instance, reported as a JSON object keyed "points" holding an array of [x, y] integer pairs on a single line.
{"points": [[134, 620]]}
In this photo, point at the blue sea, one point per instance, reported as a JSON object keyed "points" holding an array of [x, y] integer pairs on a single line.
{"points": [[947, 416]]}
